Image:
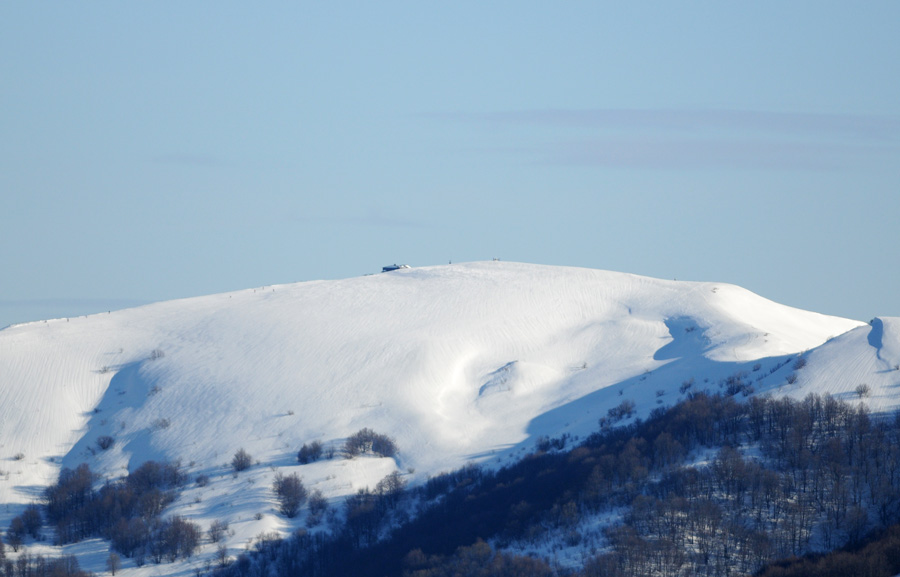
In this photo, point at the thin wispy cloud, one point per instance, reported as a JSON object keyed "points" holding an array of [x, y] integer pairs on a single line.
{"points": [[695, 154], [372, 217], [869, 127], [198, 160], [689, 139]]}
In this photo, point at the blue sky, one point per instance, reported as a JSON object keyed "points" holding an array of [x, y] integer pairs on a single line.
{"points": [[163, 150]]}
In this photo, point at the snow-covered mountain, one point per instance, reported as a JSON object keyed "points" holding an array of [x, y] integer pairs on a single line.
{"points": [[458, 363]]}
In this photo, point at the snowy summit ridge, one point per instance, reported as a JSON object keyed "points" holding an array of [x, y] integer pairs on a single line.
{"points": [[456, 363]]}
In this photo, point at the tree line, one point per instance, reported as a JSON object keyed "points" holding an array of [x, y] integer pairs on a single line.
{"points": [[781, 477], [784, 477]]}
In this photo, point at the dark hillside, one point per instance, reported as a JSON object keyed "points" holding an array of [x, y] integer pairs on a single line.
{"points": [[824, 473]]}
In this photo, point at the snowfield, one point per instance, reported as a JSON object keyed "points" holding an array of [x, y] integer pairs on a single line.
{"points": [[458, 363]]}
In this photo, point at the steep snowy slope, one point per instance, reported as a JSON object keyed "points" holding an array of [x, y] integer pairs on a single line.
{"points": [[457, 363], [862, 364]]}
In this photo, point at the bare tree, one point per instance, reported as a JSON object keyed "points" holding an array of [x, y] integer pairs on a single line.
{"points": [[318, 505], [31, 519], [222, 556], [391, 488], [309, 452], [242, 460], [15, 535], [368, 441], [217, 530], [113, 562], [290, 492]]}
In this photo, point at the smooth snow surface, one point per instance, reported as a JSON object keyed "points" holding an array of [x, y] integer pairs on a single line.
{"points": [[457, 363], [868, 355]]}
